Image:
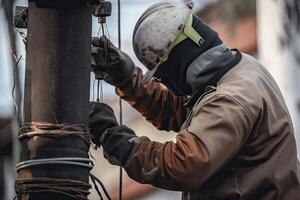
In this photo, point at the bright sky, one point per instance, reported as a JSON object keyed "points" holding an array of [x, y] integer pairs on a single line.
{"points": [[5, 71]]}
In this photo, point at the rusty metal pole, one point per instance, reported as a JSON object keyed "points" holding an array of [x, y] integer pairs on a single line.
{"points": [[57, 87]]}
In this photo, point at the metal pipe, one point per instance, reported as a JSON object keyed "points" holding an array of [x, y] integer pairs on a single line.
{"points": [[57, 88]]}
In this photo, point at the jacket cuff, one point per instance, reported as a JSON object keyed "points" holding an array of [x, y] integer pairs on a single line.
{"points": [[131, 86], [137, 142]]}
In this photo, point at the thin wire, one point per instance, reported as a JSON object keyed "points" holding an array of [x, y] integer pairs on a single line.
{"points": [[32, 129], [100, 95], [94, 89], [82, 162], [101, 92], [14, 82], [119, 23], [97, 89], [16, 100], [98, 33], [98, 86], [107, 31], [97, 188], [75, 189], [95, 179], [102, 28], [120, 100], [23, 35]]}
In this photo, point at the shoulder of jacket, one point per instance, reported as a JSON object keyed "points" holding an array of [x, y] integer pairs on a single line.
{"points": [[221, 96]]}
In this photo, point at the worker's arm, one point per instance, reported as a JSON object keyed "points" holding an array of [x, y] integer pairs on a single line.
{"points": [[217, 132], [155, 102]]}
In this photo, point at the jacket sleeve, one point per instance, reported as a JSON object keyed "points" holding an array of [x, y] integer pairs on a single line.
{"points": [[217, 132], [155, 102]]}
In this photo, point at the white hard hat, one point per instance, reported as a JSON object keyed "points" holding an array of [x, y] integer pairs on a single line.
{"points": [[157, 32]]}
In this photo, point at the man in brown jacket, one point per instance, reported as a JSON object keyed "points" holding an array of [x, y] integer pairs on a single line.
{"points": [[235, 136]]}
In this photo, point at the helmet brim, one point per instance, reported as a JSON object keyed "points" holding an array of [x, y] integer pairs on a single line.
{"points": [[149, 75]]}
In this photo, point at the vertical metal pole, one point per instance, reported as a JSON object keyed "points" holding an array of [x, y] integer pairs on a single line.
{"points": [[120, 99], [57, 88]]}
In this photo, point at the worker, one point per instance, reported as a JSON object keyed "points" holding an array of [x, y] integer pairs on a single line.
{"points": [[235, 136]]}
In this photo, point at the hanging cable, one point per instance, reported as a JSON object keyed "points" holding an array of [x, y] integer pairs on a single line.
{"points": [[120, 99], [104, 33], [94, 82], [95, 180], [98, 91], [17, 61], [103, 11], [16, 93]]}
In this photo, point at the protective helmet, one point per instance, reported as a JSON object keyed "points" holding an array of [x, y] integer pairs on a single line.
{"points": [[160, 28]]}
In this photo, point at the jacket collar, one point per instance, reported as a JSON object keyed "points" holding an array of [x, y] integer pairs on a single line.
{"points": [[208, 69]]}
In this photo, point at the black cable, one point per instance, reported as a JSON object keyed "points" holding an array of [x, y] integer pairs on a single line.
{"points": [[98, 95], [96, 188], [95, 179], [94, 89], [120, 100], [119, 23]]}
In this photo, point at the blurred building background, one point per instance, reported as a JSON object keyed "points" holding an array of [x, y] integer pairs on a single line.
{"points": [[268, 30]]}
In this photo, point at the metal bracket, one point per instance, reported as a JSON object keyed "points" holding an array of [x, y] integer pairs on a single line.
{"points": [[103, 9]]}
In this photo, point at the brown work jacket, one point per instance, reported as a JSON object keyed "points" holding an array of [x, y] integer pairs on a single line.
{"points": [[236, 142]]}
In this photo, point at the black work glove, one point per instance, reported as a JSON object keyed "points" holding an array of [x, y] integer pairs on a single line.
{"points": [[119, 69], [117, 141]]}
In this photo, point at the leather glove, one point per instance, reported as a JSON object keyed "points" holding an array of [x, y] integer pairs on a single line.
{"points": [[117, 141], [119, 69], [101, 118]]}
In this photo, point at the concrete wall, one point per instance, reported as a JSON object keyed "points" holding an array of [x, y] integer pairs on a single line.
{"points": [[279, 50]]}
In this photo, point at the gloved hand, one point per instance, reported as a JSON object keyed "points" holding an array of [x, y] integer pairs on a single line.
{"points": [[119, 69], [117, 141]]}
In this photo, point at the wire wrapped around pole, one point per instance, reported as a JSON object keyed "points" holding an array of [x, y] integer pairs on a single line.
{"points": [[32, 129], [76, 189], [72, 188]]}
